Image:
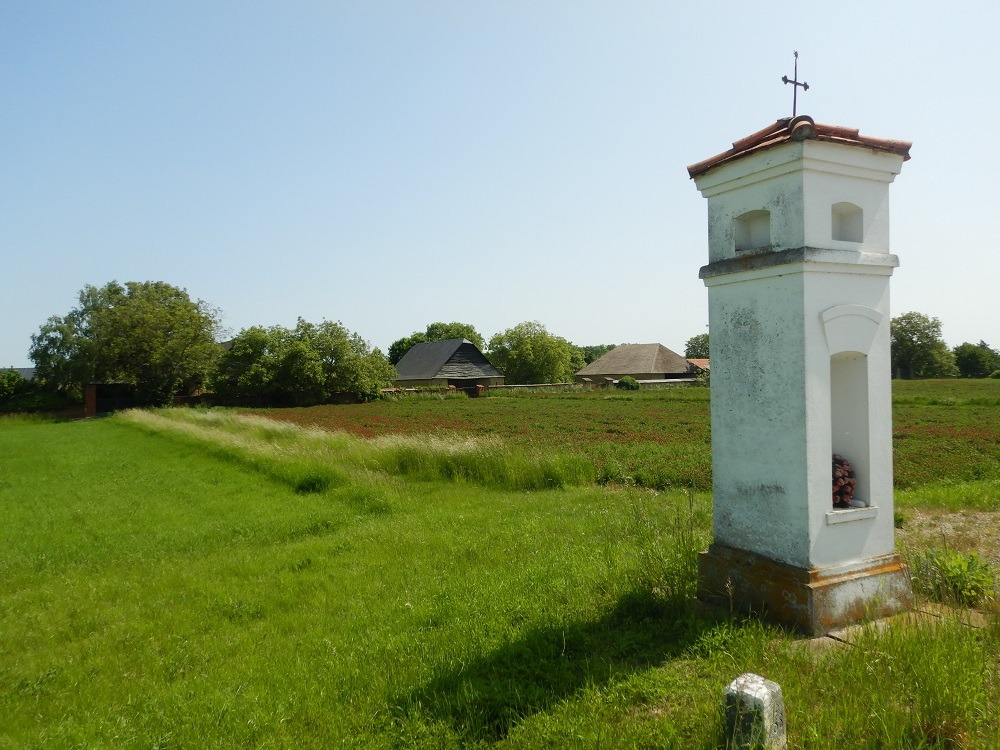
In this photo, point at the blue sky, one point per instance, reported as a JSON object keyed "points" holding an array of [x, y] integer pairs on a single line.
{"points": [[391, 164]]}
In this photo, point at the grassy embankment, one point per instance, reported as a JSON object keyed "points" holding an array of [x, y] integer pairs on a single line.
{"points": [[189, 581], [946, 434]]}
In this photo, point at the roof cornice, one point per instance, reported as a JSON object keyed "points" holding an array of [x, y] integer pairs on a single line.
{"points": [[800, 128]]}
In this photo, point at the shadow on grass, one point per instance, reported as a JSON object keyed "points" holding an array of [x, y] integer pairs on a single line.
{"points": [[485, 700]]}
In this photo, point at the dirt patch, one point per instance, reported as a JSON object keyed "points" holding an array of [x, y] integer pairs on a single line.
{"points": [[968, 531]]}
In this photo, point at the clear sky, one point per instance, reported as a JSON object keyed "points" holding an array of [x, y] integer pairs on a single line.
{"points": [[392, 164]]}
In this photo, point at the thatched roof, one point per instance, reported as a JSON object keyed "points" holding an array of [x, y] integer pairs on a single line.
{"points": [[452, 358], [636, 359]]}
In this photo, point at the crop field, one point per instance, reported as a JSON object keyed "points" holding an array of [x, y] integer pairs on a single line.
{"points": [[657, 439], [451, 573], [943, 431]]}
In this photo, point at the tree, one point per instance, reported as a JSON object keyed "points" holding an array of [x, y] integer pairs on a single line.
{"points": [[399, 347], [917, 348], [527, 353], [349, 364], [590, 354], [11, 385], [150, 334], [308, 364], [435, 332], [976, 360], [697, 347], [445, 331]]}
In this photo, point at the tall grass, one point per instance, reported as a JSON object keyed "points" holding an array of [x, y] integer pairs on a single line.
{"points": [[952, 576], [954, 496], [312, 460], [915, 684], [943, 431]]}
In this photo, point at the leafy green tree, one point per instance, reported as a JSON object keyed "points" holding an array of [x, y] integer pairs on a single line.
{"points": [[20, 395], [307, 364], [976, 360], [349, 364], [10, 385], [917, 348], [527, 353], [445, 331], [399, 347], [697, 347], [150, 334], [590, 354], [435, 332]]}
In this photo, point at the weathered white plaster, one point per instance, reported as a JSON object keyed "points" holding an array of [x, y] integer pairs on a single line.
{"points": [[799, 183], [800, 350]]}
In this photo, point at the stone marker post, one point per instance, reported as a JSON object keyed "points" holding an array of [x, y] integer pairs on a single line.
{"points": [[798, 291], [754, 714]]}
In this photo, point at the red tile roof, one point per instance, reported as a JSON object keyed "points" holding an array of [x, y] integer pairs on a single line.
{"points": [[799, 129]]}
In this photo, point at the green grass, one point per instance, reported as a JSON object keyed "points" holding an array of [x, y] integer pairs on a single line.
{"points": [[172, 580], [947, 391], [944, 431], [953, 496]]}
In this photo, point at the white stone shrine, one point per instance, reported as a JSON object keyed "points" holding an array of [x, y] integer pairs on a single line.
{"points": [[798, 291]]}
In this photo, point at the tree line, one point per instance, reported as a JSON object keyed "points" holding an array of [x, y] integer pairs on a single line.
{"points": [[153, 336], [917, 350]]}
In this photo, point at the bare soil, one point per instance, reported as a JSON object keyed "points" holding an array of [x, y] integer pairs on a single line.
{"points": [[968, 531]]}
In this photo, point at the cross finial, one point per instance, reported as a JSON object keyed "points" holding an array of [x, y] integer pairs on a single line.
{"points": [[795, 84]]}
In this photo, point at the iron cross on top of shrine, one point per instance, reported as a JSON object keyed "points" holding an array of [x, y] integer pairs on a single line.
{"points": [[795, 84]]}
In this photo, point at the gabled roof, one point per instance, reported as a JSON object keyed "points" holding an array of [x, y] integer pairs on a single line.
{"points": [[800, 128], [702, 364], [426, 361], [636, 359]]}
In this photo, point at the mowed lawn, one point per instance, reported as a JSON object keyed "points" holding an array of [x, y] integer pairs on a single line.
{"points": [[192, 581], [158, 594]]}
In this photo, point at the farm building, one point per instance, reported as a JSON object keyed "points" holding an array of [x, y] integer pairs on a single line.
{"points": [[644, 362], [28, 373], [453, 362]]}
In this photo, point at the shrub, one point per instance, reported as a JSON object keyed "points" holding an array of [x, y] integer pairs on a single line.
{"points": [[627, 383], [10, 383], [948, 575], [20, 395], [995, 374]]}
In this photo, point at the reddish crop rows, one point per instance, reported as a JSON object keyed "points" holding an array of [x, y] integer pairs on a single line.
{"points": [[659, 439]]}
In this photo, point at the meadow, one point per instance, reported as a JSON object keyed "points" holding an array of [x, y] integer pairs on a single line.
{"points": [[430, 575], [945, 432]]}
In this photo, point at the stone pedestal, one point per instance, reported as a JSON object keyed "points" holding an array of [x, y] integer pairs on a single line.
{"points": [[814, 601]]}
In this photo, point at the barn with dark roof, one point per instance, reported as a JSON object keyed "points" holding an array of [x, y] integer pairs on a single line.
{"points": [[644, 362], [453, 362]]}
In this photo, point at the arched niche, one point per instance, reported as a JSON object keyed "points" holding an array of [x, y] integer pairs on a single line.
{"points": [[752, 230], [850, 333], [849, 417], [848, 222]]}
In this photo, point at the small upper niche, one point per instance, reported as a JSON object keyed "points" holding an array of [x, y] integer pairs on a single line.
{"points": [[847, 222], [753, 230]]}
